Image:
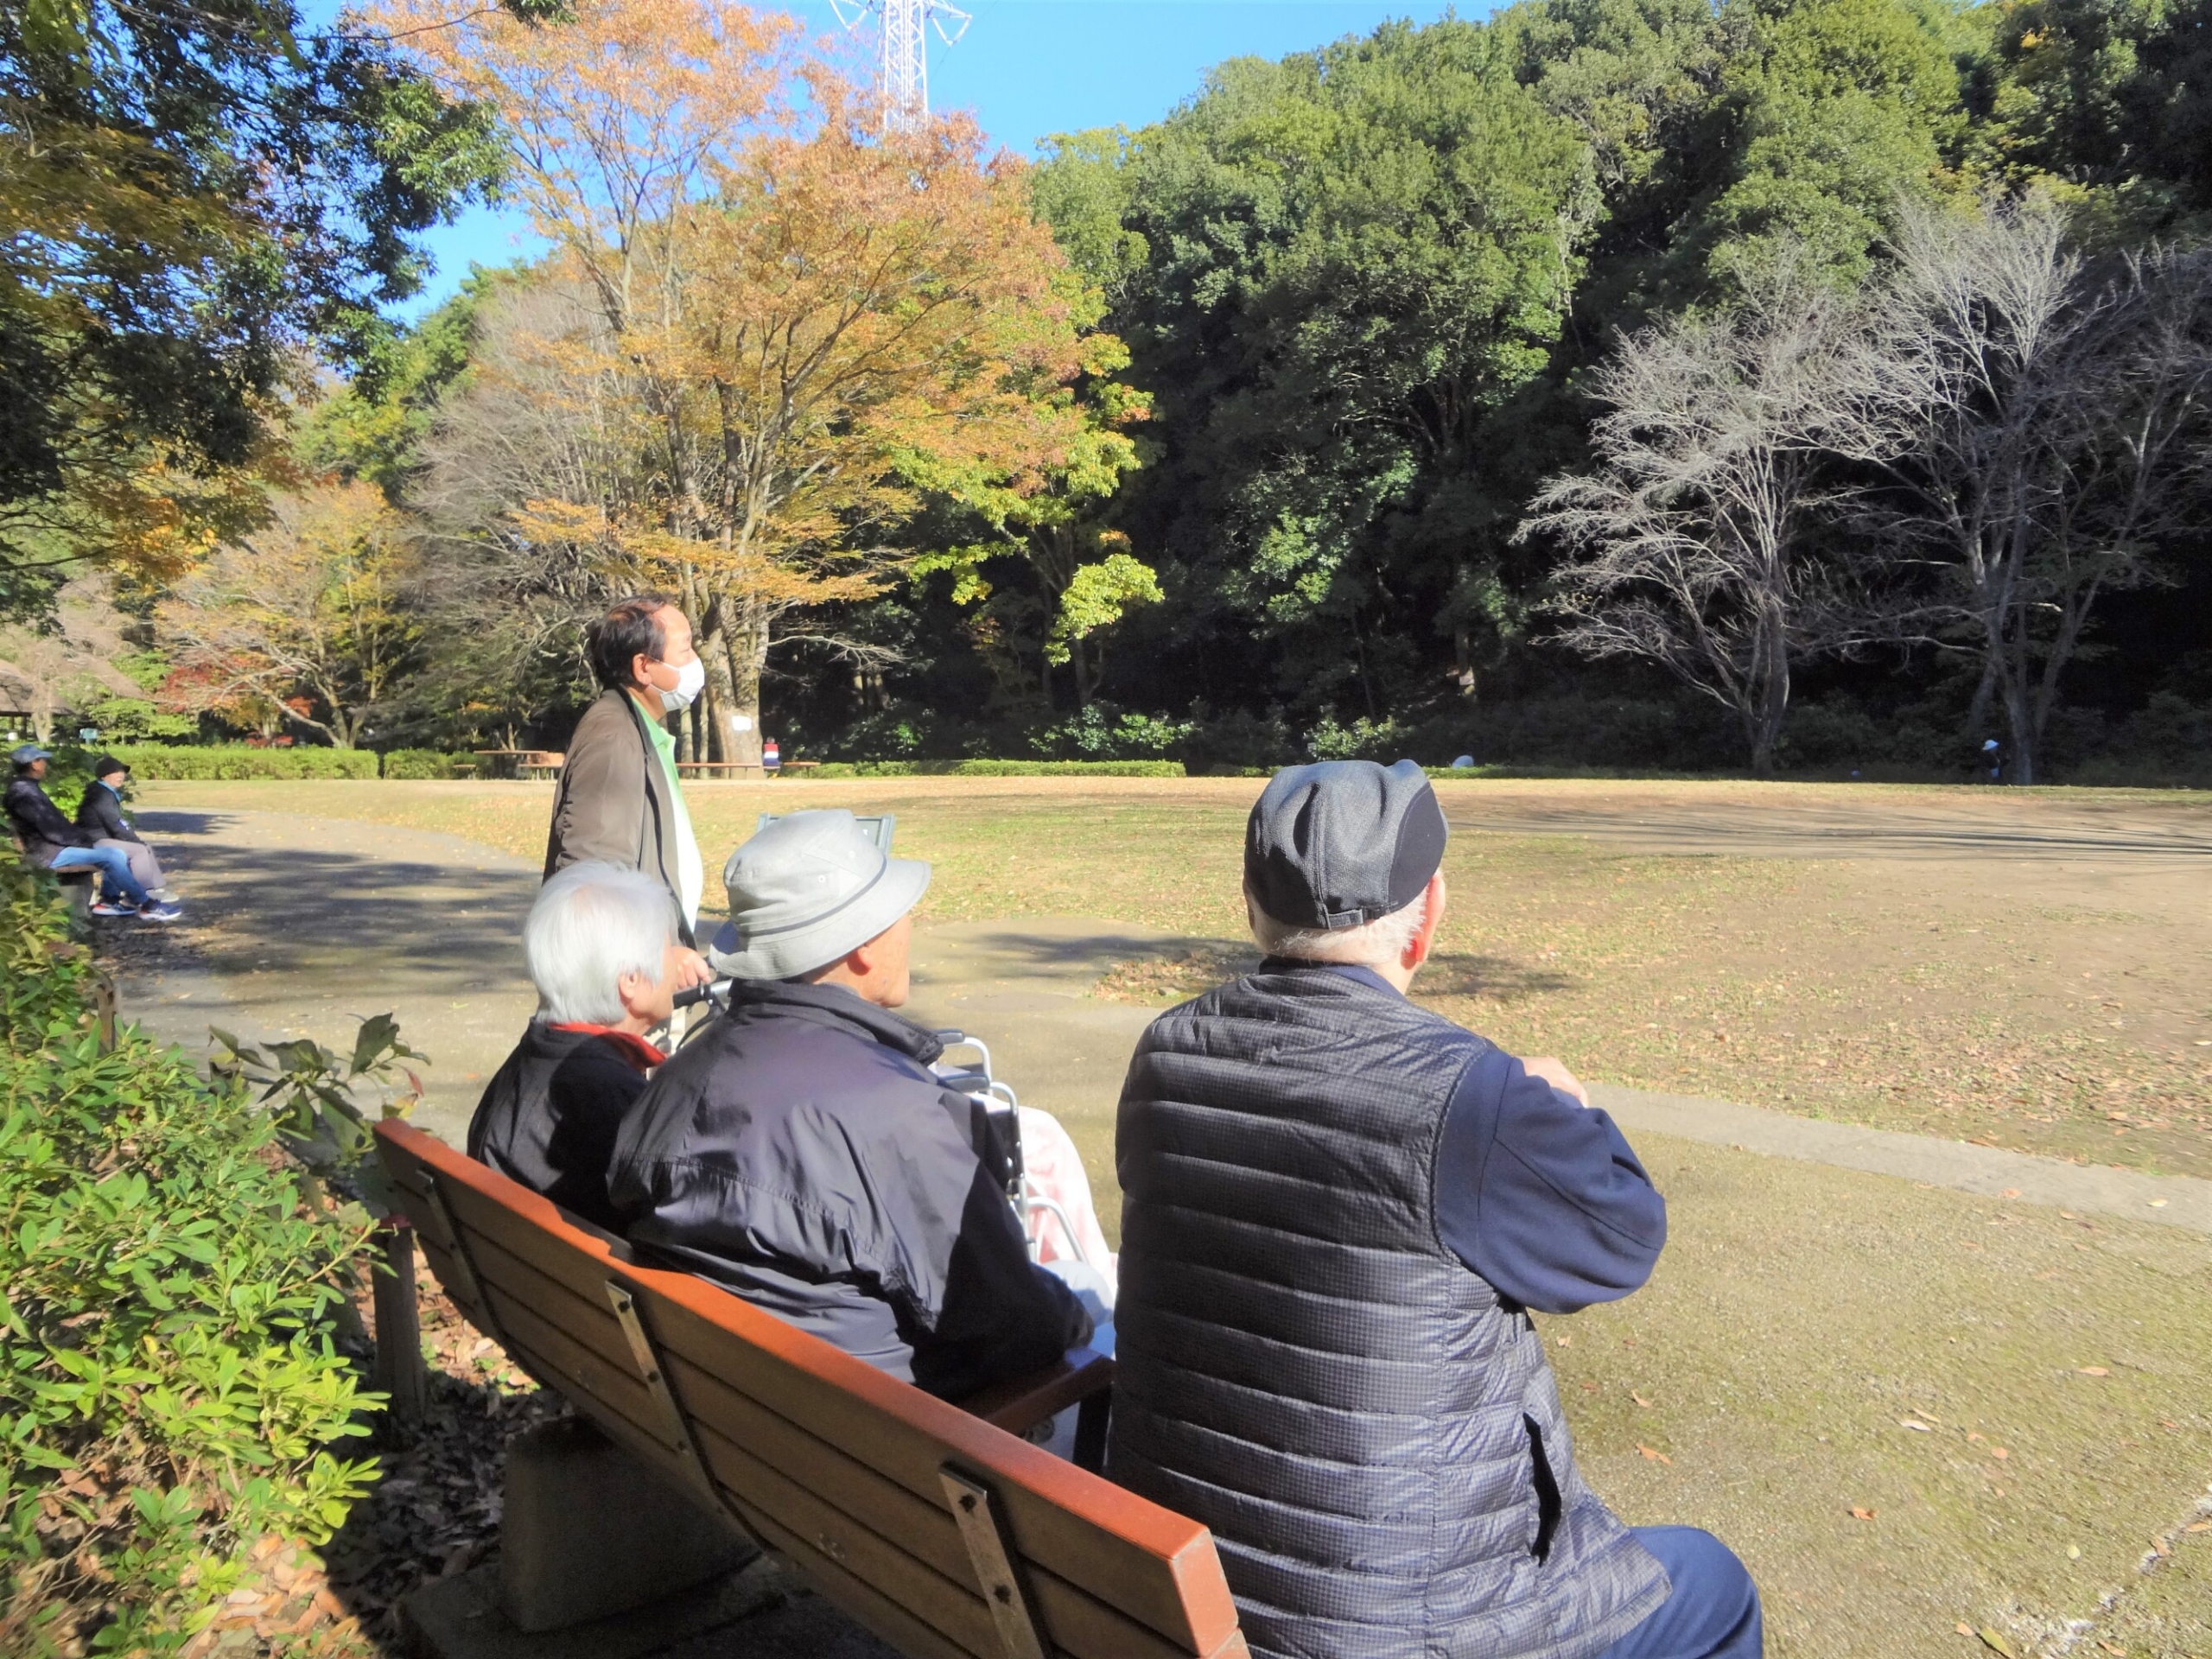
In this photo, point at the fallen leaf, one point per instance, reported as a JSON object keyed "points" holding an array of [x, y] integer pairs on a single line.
{"points": [[1655, 1457], [2161, 1548], [2094, 1370], [1566, 1342], [2198, 1526], [1858, 1514], [1994, 1640], [1640, 1401], [1917, 1428], [2158, 1203], [2109, 1647], [1973, 1437], [1963, 1628], [1589, 1387], [2011, 1191], [1998, 1452]]}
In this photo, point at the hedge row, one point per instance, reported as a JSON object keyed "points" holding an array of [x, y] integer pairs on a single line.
{"points": [[170, 1385], [998, 769], [151, 761]]}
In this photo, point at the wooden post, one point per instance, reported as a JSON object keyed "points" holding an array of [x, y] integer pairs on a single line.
{"points": [[400, 1373]]}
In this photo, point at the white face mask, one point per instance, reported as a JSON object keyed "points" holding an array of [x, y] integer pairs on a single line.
{"points": [[690, 681]]}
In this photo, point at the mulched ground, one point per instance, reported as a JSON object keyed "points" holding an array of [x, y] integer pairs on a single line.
{"points": [[436, 1511]]}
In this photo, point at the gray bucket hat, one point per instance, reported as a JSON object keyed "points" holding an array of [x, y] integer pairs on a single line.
{"points": [[804, 891]]}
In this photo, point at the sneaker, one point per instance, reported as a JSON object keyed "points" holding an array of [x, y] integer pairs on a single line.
{"points": [[161, 913], [114, 907]]}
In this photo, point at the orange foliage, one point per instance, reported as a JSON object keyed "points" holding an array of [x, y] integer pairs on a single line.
{"points": [[816, 322]]}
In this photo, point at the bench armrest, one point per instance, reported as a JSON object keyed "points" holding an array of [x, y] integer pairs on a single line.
{"points": [[1019, 1403]]}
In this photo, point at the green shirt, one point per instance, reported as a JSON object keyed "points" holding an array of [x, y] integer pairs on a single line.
{"points": [[690, 871]]}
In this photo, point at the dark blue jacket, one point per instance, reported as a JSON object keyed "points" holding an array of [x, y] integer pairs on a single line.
{"points": [[550, 1116], [1311, 1362], [1537, 1192], [799, 1151]]}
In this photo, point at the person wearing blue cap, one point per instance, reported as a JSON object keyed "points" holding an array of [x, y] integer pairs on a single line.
{"points": [[1338, 1212], [52, 842]]}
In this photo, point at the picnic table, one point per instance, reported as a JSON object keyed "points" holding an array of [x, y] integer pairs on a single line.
{"points": [[521, 763]]}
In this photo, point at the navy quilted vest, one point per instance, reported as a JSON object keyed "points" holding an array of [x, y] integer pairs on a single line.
{"points": [[1373, 1436]]}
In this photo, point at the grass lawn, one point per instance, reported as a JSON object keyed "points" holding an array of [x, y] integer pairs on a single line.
{"points": [[1909, 1408], [2031, 1007]]}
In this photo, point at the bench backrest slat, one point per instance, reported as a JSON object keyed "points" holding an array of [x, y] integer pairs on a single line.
{"points": [[826, 1459]]}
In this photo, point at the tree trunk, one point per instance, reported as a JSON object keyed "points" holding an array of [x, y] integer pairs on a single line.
{"points": [[1084, 685], [748, 657]]}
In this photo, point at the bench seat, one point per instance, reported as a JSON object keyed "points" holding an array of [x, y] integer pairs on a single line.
{"points": [[931, 1524]]}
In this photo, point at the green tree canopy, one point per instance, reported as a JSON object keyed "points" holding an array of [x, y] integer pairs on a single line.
{"points": [[192, 197]]}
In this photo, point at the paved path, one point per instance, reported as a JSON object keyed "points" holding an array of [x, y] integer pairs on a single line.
{"points": [[300, 922]]}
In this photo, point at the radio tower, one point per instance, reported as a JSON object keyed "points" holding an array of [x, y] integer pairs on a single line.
{"points": [[904, 72]]}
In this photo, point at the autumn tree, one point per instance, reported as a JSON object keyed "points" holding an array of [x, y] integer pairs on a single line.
{"points": [[1690, 537], [194, 199], [301, 615], [821, 323]]}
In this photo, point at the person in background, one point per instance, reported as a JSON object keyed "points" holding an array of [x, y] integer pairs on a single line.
{"points": [[52, 842], [601, 947], [619, 800], [772, 756], [101, 812], [1338, 1210], [799, 1152]]}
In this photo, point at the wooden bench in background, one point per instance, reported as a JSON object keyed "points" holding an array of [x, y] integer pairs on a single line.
{"points": [[521, 763], [931, 1524]]}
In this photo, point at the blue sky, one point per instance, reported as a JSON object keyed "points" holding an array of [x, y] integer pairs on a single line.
{"points": [[1029, 67]]}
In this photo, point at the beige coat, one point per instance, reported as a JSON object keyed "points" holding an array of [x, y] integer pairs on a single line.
{"points": [[613, 801]]}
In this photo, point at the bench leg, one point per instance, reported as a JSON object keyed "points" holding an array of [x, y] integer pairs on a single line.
{"points": [[400, 1370], [589, 1530], [1091, 1419]]}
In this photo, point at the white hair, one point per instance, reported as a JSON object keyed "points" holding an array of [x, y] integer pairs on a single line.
{"points": [[592, 924], [1372, 944]]}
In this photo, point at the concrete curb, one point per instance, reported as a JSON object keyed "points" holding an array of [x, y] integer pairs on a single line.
{"points": [[2171, 1200]]}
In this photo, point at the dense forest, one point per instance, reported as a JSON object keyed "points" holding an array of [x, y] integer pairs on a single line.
{"points": [[1777, 385]]}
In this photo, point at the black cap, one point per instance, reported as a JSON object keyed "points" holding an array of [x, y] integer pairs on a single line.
{"points": [[1342, 843], [106, 764]]}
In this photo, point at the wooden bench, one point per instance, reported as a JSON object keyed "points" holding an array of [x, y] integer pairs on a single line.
{"points": [[522, 763], [711, 770], [77, 884], [930, 1523]]}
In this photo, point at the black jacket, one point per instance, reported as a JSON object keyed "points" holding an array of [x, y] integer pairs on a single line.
{"points": [[799, 1151], [550, 1116], [40, 824], [100, 814]]}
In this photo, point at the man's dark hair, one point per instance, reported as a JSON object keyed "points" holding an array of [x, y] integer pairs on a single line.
{"points": [[631, 626]]}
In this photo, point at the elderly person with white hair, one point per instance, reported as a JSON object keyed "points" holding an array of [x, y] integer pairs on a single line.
{"points": [[602, 947]]}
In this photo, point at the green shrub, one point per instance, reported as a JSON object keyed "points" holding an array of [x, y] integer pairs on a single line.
{"points": [[151, 761], [427, 763], [994, 769], [169, 1389]]}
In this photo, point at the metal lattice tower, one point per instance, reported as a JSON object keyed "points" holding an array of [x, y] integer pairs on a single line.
{"points": [[904, 80]]}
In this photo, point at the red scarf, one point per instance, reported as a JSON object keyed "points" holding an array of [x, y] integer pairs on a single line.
{"points": [[631, 1047]]}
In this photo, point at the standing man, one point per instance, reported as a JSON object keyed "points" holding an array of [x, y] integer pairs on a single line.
{"points": [[1338, 1210], [619, 800]]}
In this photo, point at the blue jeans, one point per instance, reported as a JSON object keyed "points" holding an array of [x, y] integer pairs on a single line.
{"points": [[113, 865], [1713, 1612]]}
